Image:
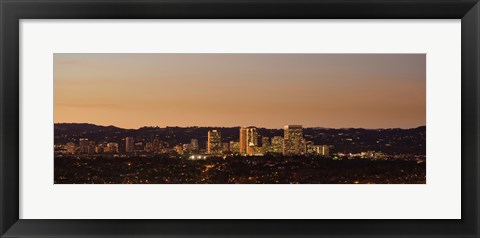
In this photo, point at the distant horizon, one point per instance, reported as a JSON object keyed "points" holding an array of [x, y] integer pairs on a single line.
{"points": [[323, 127]]}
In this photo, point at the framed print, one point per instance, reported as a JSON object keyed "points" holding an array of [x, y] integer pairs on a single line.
{"points": [[239, 118]]}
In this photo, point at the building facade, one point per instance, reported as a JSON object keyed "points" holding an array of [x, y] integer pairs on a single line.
{"points": [[235, 147], [129, 146], [294, 143], [248, 140], [322, 150], [214, 143], [276, 145]]}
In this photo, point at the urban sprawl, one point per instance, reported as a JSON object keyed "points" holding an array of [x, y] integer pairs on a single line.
{"points": [[86, 153], [249, 144]]}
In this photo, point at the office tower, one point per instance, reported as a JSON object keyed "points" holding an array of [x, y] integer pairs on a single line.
{"points": [[265, 144], [214, 143], [322, 150], [277, 145], [248, 140], [71, 148], [194, 145], [83, 146], [112, 147], [234, 147], [310, 147], [129, 145], [293, 143]]}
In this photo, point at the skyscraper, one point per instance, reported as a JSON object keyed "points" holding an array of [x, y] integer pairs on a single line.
{"points": [[129, 147], [294, 143], [234, 147], [248, 140], [310, 147], [214, 143], [277, 145], [265, 144]]}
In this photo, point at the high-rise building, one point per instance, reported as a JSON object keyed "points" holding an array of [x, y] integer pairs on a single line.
{"points": [[129, 146], [310, 147], [248, 140], [265, 144], [194, 145], [276, 145], [234, 147], [294, 143], [71, 148], [214, 143]]}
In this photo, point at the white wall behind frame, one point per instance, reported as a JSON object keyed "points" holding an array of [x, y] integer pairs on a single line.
{"points": [[438, 199]]}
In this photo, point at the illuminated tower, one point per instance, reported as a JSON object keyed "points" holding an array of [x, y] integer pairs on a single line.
{"points": [[265, 144], [214, 144], [234, 147], [294, 143], [277, 145], [248, 140], [129, 144]]}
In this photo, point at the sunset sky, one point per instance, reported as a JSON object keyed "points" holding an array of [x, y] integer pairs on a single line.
{"points": [[263, 90]]}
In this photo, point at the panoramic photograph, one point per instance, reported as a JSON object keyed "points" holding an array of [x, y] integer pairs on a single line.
{"points": [[231, 118]]}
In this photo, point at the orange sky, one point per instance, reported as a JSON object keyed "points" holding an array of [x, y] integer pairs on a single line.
{"points": [[263, 90]]}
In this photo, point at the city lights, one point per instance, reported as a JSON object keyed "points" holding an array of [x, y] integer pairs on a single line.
{"points": [[240, 155]]}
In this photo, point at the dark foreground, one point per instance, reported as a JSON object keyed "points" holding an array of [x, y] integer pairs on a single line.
{"points": [[240, 170]]}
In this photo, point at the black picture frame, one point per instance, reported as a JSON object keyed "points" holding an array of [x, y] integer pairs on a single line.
{"points": [[11, 11]]}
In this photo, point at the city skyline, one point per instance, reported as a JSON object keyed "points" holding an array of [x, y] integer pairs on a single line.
{"points": [[87, 153], [369, 91], [292, 143]]}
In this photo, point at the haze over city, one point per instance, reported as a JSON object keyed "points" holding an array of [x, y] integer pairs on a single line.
{"points": [[225, 90]]}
